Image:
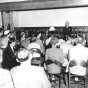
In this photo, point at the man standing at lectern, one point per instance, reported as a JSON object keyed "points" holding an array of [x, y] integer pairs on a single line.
{"points": [[67, 30]]}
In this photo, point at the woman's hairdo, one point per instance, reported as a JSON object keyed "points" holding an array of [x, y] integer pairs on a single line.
{"points": [[22, 55], [54, 40]]}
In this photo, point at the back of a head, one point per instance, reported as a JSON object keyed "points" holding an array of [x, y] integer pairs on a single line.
{"points": [[80, 40], [23, 55], [54, 40]]}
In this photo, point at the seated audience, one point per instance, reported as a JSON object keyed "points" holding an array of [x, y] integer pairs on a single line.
{"points": [[27, 75]]}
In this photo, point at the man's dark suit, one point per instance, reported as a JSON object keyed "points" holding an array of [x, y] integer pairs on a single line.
{"points": [[67, 32], [9, 59]]}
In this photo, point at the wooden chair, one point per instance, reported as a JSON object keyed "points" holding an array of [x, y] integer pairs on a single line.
{"points": [[37, 57], [73, 76], [58, 75]]}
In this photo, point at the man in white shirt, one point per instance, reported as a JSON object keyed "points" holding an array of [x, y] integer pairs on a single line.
{"points": [[27, 75], [78, 53]]}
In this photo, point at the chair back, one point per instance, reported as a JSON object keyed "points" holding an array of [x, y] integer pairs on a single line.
{"points": [[53, 66], [79, 73], [55, 71], [50, 61], [36, 53]]}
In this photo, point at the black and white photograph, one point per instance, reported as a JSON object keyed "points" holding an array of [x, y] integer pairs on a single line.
{"points": [[43, 43]]}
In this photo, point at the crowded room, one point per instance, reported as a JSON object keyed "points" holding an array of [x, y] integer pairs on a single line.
{"points": [[43, 44]]}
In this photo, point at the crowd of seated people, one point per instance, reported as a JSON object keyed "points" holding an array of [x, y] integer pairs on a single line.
{"points": [[52, 51]]}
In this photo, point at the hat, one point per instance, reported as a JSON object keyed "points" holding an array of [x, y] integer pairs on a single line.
{"points": [[33, 45], [52, 29], [6, 32]]}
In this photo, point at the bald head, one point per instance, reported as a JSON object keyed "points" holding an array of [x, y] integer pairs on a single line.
{"points": [[66, 24], [23, 55]]}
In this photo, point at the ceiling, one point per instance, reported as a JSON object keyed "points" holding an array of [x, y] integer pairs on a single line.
{"points": [[16, 5], [5, 1]]}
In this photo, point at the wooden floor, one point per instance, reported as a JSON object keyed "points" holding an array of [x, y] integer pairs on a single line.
{"points": [[76, 85], [63, 86]]}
